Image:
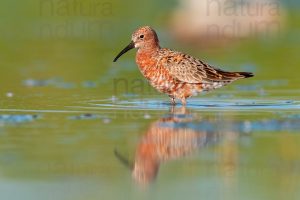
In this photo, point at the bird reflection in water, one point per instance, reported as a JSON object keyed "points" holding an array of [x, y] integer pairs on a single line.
{"points": [[174, 136]]}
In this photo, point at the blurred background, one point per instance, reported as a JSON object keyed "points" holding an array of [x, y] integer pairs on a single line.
{"points": [[66, 107], [76, 40]]}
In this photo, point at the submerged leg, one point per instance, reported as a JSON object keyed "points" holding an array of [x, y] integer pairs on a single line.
{"points": [[173, 102], [181, 110], [183, 101]]}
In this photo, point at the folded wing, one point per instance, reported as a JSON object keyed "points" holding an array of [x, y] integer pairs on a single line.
{"points": [[187, 69]]}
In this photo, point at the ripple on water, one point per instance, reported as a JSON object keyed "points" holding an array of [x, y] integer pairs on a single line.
{"points": [[17, 118], [90, 116], [203, 104]]}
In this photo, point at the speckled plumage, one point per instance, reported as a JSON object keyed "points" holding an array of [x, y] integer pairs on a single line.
{"points": [[174, 73]]}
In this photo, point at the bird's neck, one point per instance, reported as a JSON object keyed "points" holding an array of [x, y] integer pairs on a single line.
{"points": [[149, 49], [146, 56]]}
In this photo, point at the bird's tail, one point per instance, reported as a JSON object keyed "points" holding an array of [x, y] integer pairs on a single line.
{"points": [[245, 74], [232, 76]]}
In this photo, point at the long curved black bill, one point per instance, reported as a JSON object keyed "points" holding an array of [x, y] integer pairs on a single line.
{"points": [[127, 48]]}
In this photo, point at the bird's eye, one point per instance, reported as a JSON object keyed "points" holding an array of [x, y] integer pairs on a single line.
{"points": [[141, 36]]}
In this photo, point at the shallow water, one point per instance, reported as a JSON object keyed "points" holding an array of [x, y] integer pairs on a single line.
{"points": [[105, 148], [74, 125]]}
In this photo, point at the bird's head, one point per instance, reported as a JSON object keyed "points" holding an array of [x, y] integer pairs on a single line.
{"points": [[143, 38]]}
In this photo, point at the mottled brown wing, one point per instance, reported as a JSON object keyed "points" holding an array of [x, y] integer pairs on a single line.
{"points": [[185, 68]]}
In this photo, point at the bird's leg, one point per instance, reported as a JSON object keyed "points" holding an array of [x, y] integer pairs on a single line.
{"points": [[183, 101], [173, 102], [172, 109]]}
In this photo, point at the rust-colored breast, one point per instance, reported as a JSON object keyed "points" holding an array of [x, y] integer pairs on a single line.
{"points": [[152, 69]]}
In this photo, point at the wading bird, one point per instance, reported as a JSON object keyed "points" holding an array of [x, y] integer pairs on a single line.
{"points": [[176, 74]]}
